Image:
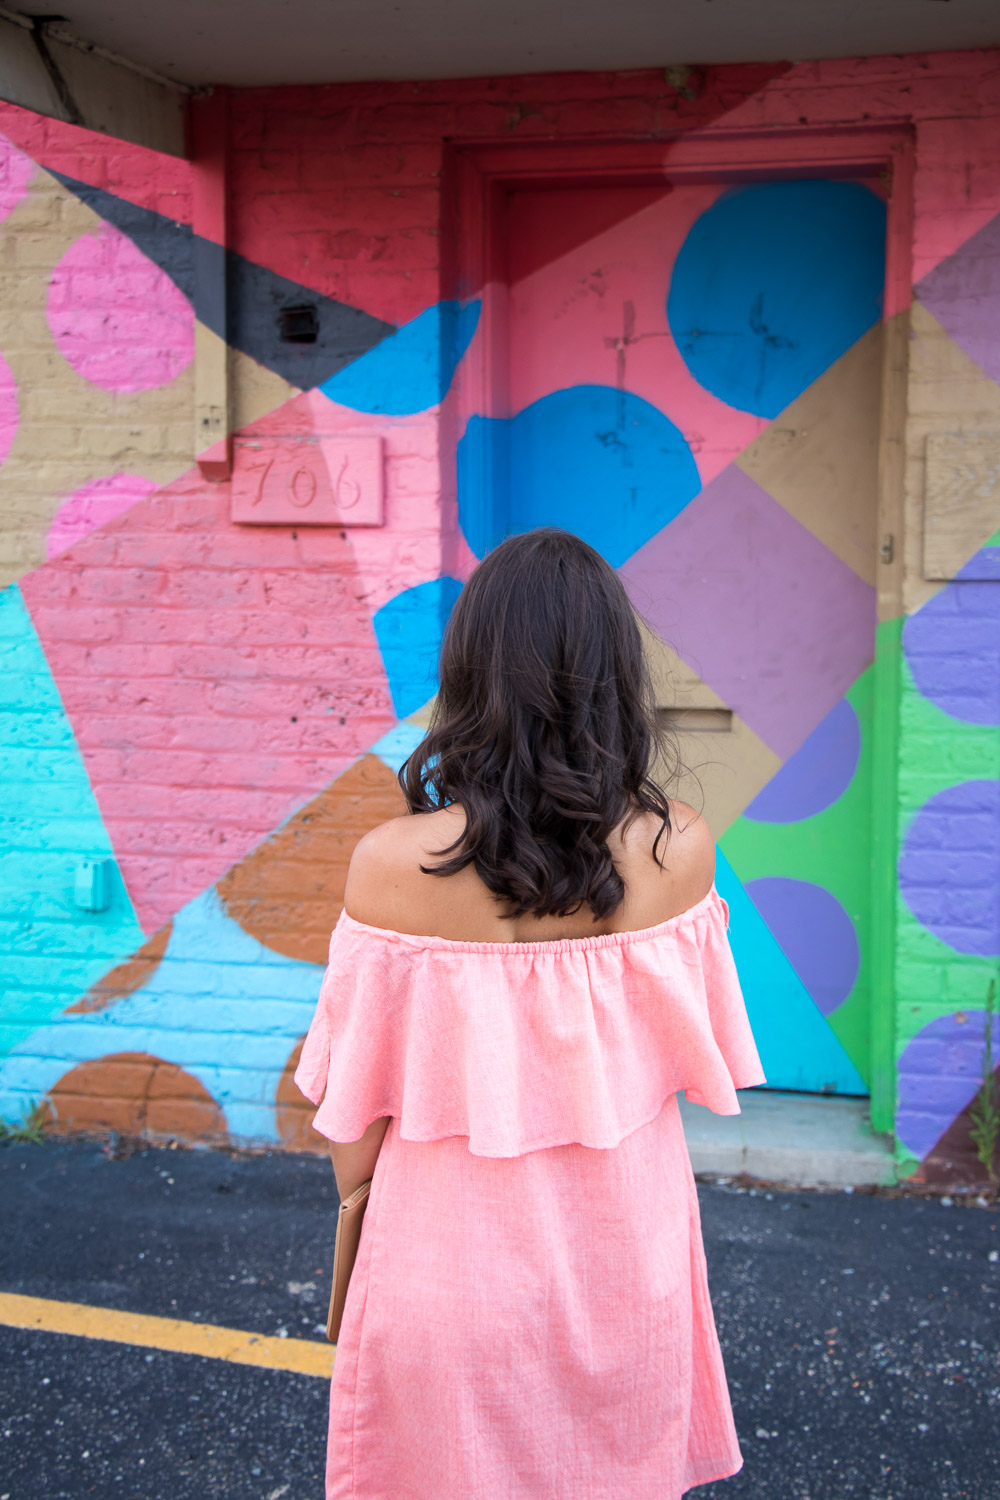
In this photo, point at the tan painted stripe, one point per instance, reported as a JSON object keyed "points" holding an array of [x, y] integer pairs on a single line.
{"points": [[300, 1356]]}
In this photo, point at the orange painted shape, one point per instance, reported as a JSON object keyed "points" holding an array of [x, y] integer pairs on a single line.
{"points": [[295, 1112], [135, 1094], [289, 891], [126, 978]]}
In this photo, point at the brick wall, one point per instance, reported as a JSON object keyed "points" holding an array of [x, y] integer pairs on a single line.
{"points": [[217, 711]]}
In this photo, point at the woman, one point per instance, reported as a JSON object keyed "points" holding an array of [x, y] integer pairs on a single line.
{"points": [[528, 968]]}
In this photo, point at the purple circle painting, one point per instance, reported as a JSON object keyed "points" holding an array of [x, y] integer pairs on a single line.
{"points": [[949, 867], [952, 644], [940, 1070], [817, 774], [815, 933]]}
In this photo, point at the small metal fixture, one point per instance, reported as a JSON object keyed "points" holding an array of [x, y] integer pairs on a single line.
{"points": [[299, 324], [40, 26], [887, 547], [92, 885], [684, 80]]}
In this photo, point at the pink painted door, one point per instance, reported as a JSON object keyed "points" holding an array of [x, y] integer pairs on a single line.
{"points": [[691, 383]]}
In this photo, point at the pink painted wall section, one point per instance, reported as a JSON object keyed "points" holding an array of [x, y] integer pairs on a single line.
{"points": [[407, 550], [215, 677], [16, 171], [603, 301], [375, 163], [949, 102], [93, 505], [134, 173], [340, 187]]}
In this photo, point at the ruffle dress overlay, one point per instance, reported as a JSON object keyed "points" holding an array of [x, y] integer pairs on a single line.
{"points": [[529, 1317]]}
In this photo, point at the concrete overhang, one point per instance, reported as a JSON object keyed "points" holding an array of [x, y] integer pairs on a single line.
{"points": [[125, 66]]}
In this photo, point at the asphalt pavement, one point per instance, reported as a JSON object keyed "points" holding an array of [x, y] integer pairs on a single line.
{"points": [[860, 1332]]}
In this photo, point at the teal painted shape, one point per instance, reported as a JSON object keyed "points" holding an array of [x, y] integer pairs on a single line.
{"points": [[219, 1005], [50, 950], [797, 1046], [397, 745]]}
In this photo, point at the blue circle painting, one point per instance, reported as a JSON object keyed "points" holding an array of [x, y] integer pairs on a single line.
{"points": [[595, 460], [773, 283]]}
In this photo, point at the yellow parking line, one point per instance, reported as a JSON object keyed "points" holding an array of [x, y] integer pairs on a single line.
{"points": [[300, 1356]]}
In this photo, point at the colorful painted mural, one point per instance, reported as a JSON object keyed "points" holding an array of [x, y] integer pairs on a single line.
{"points": [[644, 361], [212, 710]]}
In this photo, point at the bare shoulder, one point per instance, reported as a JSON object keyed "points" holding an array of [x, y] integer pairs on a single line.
{"points": [[690, 835], [688, 838], [385, 884], [691, 851], [678, 876]]}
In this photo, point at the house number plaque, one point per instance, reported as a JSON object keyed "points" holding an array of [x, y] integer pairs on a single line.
{"points": [[308, 481]]}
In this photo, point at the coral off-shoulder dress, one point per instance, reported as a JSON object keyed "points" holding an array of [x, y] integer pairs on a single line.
{"points": [[529, 1317]]}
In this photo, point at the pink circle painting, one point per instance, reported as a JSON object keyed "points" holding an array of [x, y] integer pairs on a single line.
{"points": [[15, 174], [93, 506], [116, 317], [8, 408]]}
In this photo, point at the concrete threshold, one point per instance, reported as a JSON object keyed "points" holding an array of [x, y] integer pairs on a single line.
{"points": [[806, 1140]]}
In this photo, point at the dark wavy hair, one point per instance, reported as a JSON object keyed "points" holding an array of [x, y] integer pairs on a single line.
{"points": [[544, 730]]}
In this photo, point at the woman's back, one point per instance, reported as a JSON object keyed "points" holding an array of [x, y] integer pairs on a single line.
{"points": [[528, 968], [529, 1313], [388, 888]]}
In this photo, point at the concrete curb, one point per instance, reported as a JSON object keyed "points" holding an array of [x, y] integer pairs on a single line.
{"points": [[807, 1140]]}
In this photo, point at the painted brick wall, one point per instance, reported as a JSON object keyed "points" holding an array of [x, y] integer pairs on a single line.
{"points": [[949, 908], [80, 444], [66, 270], [216, 710]]}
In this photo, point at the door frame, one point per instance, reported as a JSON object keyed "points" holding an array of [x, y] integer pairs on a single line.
{"points": [[476, 179]]}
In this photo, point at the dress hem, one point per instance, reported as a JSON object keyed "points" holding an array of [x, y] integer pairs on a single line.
{"points": [[712, 1478]]}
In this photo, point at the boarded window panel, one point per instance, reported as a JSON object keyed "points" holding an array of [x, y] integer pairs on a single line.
{"points": [[724, 764], [961, 499]]}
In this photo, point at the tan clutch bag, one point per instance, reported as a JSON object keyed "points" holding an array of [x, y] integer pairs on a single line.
{"points": [[345, 1252]]}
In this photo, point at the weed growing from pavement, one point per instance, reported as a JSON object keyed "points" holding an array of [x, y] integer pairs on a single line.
{"points": [[986, 1107], [30, 1127]]}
